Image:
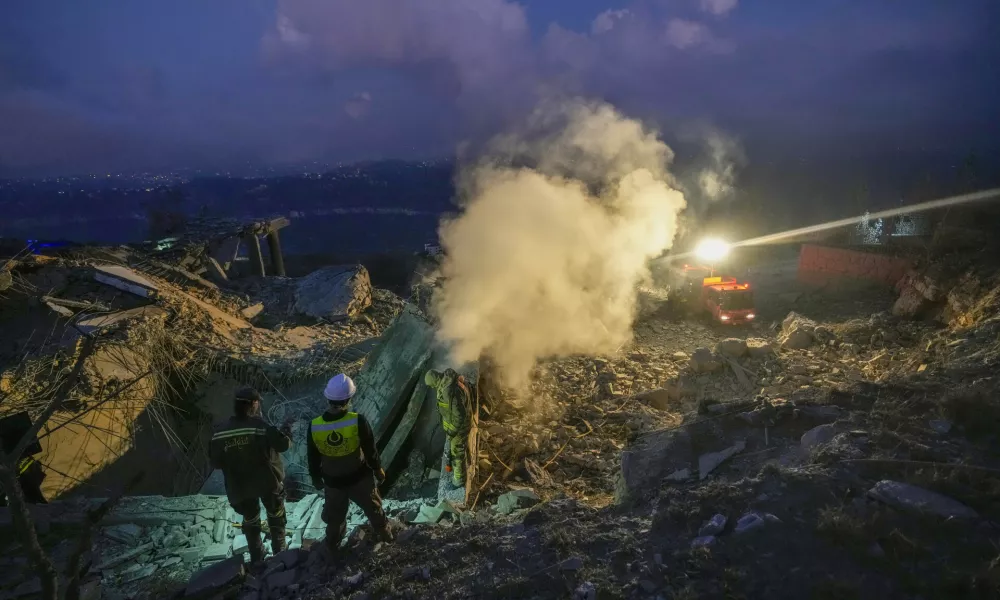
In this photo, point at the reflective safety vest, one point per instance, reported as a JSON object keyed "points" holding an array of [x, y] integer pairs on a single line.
{"points": [[338, 438], [24, 464]]}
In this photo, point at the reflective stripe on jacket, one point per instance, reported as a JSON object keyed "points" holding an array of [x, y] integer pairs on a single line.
{"points": [[24, 464]]}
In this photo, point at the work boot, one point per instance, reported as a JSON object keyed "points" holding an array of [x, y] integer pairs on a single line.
{"points": [[277, 540], [255, 546]]}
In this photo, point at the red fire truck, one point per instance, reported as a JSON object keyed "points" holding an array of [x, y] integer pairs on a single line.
{"points": [[725, 299]]}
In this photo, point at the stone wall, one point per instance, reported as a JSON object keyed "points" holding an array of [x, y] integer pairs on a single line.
{"points": [[823, 264]]}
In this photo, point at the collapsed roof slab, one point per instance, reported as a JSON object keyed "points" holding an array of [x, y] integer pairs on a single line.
{"points": [[126, 280]]}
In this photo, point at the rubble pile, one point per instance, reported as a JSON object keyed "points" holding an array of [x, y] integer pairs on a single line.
{"points": [[841, 451]]}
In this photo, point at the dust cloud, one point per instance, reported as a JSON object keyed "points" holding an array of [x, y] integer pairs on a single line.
{"points": [[558, 224]]}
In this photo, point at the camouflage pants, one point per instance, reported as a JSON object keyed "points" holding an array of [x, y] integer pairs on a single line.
{"points": [[456, 454]]}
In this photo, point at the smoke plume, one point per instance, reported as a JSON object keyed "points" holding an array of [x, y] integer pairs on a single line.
{"points": [[725, 155], [558, 225]]}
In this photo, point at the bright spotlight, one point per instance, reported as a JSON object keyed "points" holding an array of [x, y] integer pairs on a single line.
{"points": [[711, 250]]}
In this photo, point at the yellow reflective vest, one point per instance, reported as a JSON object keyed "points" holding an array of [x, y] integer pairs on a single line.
{"points": [[338, 438]]}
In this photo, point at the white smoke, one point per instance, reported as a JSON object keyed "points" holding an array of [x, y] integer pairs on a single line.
{"points": [[558, 225], [725, 155]]}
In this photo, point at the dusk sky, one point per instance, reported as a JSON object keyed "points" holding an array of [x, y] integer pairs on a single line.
{"points": [[132, 84]]}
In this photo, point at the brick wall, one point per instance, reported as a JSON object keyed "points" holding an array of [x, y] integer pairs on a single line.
{"points": [[821, 264]]}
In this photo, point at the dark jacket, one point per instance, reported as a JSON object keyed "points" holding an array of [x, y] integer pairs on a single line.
{"points": [[328, 470], [246, 450]]}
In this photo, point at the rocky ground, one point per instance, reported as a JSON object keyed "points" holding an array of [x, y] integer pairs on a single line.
{"points": [[836, 449], [847, 453]]}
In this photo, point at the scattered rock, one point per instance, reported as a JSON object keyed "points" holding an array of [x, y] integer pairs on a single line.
{"points": [[123, 534], [586, 591], [421, 573], [679, 475], [516, 500], [940, 426], [749, 522], [429, 515], [732, 347], [759, 348], [703, 541], [574, 563], [904, 496], [355, 580], [708, 462], [215, 578], [713, 526], [703, 361], [660, 399], [281, 579], [817, 436], [653, 457], [797, 339]]}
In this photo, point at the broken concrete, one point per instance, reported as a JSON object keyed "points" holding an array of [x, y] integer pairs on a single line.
{"points": [[126, 280], [708, 462], [334, 293], [919, 500], [652, 459]]}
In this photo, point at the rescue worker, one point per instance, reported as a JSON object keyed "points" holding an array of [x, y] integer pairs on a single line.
{"points": [[30, 476], [454, 403], [245, 448], [345, 464]]}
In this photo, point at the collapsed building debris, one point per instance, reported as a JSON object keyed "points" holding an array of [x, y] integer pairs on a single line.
{"points": [[692, 448]]}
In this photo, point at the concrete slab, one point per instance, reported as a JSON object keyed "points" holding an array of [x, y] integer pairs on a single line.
{"points": [[107, 321], [215, 578], [125, 279]]}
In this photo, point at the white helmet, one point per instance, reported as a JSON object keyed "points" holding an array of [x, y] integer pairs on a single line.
{"points": [[340, 389]]}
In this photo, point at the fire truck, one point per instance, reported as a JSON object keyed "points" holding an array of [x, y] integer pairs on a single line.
{"points": [[698, 290]]}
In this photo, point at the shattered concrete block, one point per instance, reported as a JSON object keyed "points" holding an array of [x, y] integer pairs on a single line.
{"points": [[516, 500], [732, 347], [911, 498], [708, 462], [651, 459], [429, 515], [110, 563], [218, 551], [190, 555], [123, 534], [817, 436], [139, 572], [713, 526], [217, 577], [703, 361], [125, 279], [334, 293], [252, 311], [240, 544]]}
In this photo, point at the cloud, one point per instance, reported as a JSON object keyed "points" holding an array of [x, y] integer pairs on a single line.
{"points": [[718, 7], [689, 35], [605, 21]]}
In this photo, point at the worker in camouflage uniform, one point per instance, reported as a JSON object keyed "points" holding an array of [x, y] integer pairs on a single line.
{"points": [[245, 448], [345, 464], [453, 402]]}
